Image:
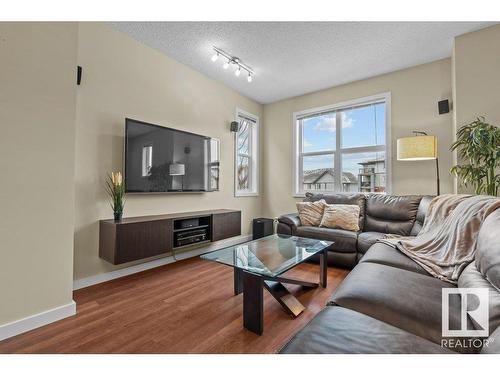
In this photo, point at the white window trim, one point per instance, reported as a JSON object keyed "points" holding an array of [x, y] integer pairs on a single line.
{"points": [[386, 97], [255, 162]]}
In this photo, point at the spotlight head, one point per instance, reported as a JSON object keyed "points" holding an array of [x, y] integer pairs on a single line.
{"points": [[249, 78], [226, 64], [215, 57], [237, 72]]}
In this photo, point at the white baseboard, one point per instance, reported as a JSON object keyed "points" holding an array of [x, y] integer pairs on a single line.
{"points": [[97, 279], [34, 321]]}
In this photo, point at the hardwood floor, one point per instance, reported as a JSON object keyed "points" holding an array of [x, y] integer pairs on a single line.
{"points": [[184, 307]]}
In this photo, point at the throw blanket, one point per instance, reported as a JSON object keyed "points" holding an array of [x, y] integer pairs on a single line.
{"points": [[447, 242]]}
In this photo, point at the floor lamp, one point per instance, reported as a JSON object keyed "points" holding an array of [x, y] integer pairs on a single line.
{"points": [[419, 147]]}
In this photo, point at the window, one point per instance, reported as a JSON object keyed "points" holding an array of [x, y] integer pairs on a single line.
{"points": [[343, 147], [147, 160], [213, 165], [246, 155]]}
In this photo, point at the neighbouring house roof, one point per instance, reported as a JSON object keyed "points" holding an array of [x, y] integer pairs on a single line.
{"points": [[381, 160], [349, 178], [315, 175]]}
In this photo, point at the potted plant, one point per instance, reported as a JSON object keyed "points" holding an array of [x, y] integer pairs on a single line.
{"points": [[116, 191], [478, 145]]}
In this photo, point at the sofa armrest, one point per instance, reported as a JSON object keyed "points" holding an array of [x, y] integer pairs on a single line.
{"points": [[291, 220]]}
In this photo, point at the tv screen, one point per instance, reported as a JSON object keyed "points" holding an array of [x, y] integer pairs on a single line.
{"points": [[160, 159]]}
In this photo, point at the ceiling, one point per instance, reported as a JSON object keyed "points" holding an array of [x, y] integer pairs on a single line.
{"points": [[295, 58]]}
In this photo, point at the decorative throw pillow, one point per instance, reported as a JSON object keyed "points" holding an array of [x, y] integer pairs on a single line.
{"points": [[341, 216], [310, 213]]}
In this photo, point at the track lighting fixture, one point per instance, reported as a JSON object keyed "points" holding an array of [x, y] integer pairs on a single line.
{"points": [[231, 60]]}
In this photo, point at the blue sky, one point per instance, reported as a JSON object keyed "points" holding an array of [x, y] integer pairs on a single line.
{"points": [[363, 126]]}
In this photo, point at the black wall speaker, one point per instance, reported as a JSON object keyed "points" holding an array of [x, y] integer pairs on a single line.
{"points": [[235, 126], [443, 106], [79, 72]]}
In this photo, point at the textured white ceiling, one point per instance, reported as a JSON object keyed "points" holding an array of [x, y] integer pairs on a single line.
{"points": [[294, 58]]}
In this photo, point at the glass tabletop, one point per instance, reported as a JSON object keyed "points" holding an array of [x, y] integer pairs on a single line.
{"points": [[270, 256]]}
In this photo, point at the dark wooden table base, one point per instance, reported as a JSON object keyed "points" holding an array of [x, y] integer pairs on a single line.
{"points": [[252, 285]]}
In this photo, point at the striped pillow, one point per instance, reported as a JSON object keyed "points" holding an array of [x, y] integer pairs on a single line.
{"points": [[341, 216], [310, 213]]}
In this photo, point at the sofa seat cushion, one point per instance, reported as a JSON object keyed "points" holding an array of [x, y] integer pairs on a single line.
{"points": [[381, 253], [407, 300], [337, 259], [344, 240], [367, 239], [336, 330]]}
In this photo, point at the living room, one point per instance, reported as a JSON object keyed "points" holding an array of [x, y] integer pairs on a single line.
{"points": [[196, 187]]}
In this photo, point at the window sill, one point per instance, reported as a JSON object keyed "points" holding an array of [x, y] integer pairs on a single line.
{"points": [[249, 194], [303, 195]]}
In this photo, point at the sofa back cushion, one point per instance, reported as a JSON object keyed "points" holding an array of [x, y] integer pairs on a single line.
{"points": [[472, 278], [484, 272], [357, 199], [391, 214], [488, 249], [422, 211]]}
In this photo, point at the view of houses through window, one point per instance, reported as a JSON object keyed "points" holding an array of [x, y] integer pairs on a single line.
{"points": [[246, 156], [244, 159], [343, 150]]}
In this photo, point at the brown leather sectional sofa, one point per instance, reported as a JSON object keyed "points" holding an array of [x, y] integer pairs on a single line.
{"points": [[379, 215], [388, 303]]}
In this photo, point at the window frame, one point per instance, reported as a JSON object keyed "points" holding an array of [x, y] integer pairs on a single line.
{"points": [[254, 151], [297, 166]]}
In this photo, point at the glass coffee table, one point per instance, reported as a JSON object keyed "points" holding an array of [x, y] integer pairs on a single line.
{"points": [[258, 264]]}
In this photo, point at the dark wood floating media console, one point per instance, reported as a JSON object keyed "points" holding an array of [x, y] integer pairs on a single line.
{"points": [[142, 237]]}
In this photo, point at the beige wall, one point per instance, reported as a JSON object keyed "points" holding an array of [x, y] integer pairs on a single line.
{"points": [[415, 93], [41, 108], [37, 119], [123, 78], [476, 77]]}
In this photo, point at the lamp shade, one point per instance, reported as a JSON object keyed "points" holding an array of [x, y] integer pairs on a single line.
{"points": [[177, 169], [422, 147]]}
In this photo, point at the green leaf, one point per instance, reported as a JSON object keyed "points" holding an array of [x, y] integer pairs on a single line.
{"points": [[478, 143]]}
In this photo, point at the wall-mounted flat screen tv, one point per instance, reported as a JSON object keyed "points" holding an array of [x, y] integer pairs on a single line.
{"points": [[160, 160]]}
